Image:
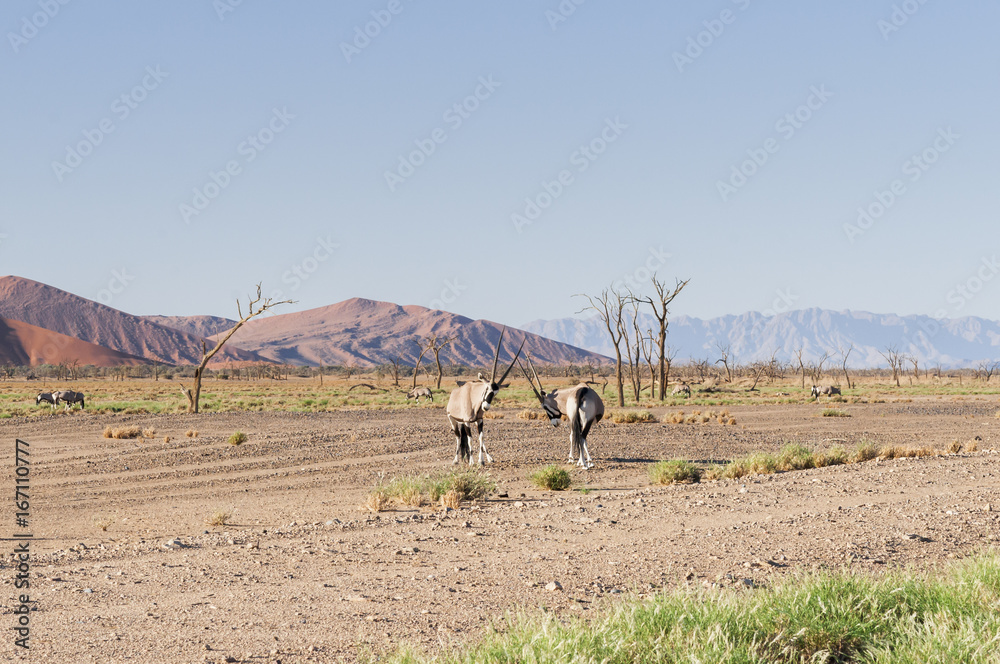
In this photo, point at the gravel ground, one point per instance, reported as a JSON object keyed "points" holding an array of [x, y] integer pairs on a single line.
{"points": [[302, 574]]}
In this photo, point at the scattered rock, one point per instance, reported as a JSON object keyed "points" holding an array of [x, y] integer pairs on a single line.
{"points": [[553, 585]]}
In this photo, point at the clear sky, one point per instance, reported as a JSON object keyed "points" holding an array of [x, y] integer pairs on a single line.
{"points": [[493, 159]]}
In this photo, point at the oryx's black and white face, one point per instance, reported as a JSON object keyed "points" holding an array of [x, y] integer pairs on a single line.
{"points": [[488, 394]]}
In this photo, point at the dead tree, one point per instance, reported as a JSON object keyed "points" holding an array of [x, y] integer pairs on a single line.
{"points": [[435, 344], [847, 354], [661, 309], [394, 363], [256, 307], [416, 367], [609, 306], [895, 360], [725, 351], [915, 361], [802, 365], [987, 368]]}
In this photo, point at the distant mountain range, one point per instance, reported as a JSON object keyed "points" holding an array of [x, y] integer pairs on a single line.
{"points": [[42, 324], [960, 342]]}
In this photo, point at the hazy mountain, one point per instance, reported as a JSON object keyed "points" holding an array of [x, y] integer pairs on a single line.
{"points": [[74, 316], [368, 333], [751, 336], [200, 326], [22, 344]]}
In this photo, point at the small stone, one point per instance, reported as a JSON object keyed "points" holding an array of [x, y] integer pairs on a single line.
{"points": [[88, 590], [518, 503], [553, 585]]}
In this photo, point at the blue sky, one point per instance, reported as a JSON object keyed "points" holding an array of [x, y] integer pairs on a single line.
{"points": [[493, 159]]}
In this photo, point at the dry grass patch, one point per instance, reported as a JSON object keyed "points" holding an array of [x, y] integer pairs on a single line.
{"points": [[219, 518], [833, 412], [904, 452], [452, 499], [238, 438], [122, 433], [191, 433], [632, 417], [529, 415], [166, 439], [675, 471], [103, 522], [492, 415], [863, 451], [551, 477], [955, 447], [973, 446], [149, 432]]}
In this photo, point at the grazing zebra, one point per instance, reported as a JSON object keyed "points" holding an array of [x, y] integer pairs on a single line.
{"points": [[418, 392], [826, 390], [467, 404], [47, 398], [581, 406], [69, 397]]}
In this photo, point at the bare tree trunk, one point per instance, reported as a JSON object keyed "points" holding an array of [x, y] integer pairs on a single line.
{"points": [[194, 394]]}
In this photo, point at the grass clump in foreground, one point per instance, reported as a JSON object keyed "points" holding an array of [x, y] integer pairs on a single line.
{"points": [[675, 471], [632, 417], [413, 491], [833, 412], [551, 477], [238, 438], [824, 617]]}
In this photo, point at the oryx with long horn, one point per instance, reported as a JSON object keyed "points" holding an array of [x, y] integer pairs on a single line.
{"points": [[581, 406], [469, 401]]}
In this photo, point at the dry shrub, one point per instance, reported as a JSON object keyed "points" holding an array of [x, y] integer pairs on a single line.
{"points": [[863, 451], [377, 500], [795, 457], [973, 446], [452, 499], [529, 415], [218, 518], [191, 433], [714, 472], [632, 417], [704, 419], [238, 438], [833, 412], [676, 471], [166, 439], [955, 447], [903, 452], [835, 456], [677, 417], [103, 523], [732, 421], [122, 433], [492, 415], [149, 432]]}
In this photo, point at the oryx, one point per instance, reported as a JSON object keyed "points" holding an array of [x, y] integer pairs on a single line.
{"points": [[418, 392], [580, 404], [47, 398], [469, 401], [682, 388], [827, 390], [69, 397]]}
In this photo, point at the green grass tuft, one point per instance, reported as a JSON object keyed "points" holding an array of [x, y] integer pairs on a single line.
{"points": [[675, 471], [551, 477]]}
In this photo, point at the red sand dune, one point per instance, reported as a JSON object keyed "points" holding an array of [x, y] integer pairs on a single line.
{"points": [[367, 333], [57, 310], [27, 345]]}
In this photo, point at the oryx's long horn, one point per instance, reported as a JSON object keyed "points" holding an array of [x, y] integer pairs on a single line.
{"points": [[529, 381], [537, 379], [496, 357], [516, 355]]}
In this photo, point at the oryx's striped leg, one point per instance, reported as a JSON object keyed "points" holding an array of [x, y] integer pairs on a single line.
{"points": [[482, 446]]}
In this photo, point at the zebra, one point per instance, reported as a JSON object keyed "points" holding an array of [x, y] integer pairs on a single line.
{"points": [[418, 392], [69, 397], [469, 401], [580, 405]]}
